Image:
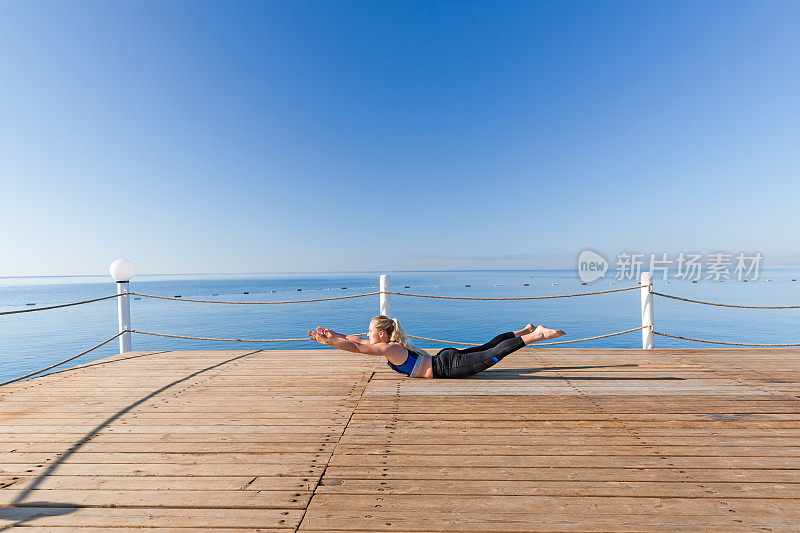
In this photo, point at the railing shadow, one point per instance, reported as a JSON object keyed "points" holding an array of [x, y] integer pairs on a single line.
{"points": [[17, 505], [526, 373]]}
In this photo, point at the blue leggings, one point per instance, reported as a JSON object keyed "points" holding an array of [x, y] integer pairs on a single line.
{"points": [[455, 363]]}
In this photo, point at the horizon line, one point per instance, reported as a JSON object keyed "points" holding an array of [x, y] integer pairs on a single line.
{"points": [[39, 276], [291, 272]]}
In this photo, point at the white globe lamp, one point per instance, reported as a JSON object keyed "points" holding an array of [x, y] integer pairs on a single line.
{"points": [[121, 270]]}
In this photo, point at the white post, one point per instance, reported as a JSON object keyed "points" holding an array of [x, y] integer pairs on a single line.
{"points": [[386, 302], [122, 271], [124, 312], [648, 339]]}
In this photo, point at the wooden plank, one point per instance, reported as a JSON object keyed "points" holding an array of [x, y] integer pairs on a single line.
{"points": [[165, 458], [652, 460], [196, 499], [172, 447], [495, 487], [148, 517], [380, 520], [507, 450], [491, 505], [220, 436], [564, 473], [163, 469], [150, 482]]}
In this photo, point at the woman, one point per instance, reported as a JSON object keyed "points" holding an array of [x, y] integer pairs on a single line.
{"points": [[388, 339]]}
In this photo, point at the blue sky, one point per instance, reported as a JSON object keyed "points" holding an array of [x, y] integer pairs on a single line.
{"points": [[317, 136]]}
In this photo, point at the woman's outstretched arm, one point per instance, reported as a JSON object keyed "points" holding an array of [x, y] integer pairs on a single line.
{"points": [[335, 340], [394, 352], [355, 338]]}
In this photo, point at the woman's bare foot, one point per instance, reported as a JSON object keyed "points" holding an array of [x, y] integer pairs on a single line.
{"points": [[524, 331], [548, 333], [541, 333]]}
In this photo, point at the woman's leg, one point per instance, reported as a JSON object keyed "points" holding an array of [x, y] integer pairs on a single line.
{"points": [[498, 339], [491, 344], [452, 363]]}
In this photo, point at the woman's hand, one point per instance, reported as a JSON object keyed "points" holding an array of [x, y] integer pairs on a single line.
{"points": [[328, 332], [322, 335]]}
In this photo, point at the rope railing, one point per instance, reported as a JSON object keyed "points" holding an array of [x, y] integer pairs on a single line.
{"points": [[154, 334], [515, 297], [508, 298], [538, 343], [64, 361], [191, 337], [221, 339], [724, 342], [58, 306], [350, 296], [254, 303], [725, 305], [361, 295]]}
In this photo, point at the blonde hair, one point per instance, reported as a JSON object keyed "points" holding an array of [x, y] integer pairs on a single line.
{"points": [[396, 334]]}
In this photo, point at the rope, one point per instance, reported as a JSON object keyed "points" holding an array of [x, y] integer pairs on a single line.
{"points": [[728, 305], [191, 337], [348, 297], [62, 362], [218, 339], [215, 339], [514, 297], [379, 292], [255, 303], [720, 342], [58, 306], [510, 298], [538, 343]]}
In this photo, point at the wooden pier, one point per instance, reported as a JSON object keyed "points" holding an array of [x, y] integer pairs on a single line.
{"points": [[318, 440]]}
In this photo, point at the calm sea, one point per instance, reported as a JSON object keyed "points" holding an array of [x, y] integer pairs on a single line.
{"points": [[31, 341]]}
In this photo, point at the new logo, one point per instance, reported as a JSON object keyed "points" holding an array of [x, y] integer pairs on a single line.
{"points": [[591, 266]]}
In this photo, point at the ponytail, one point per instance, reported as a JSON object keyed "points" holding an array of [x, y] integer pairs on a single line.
{"points": [[396, 333], [399, 336]]}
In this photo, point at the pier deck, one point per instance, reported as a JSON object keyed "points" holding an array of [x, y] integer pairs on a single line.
{"points": [[547, 440]]}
